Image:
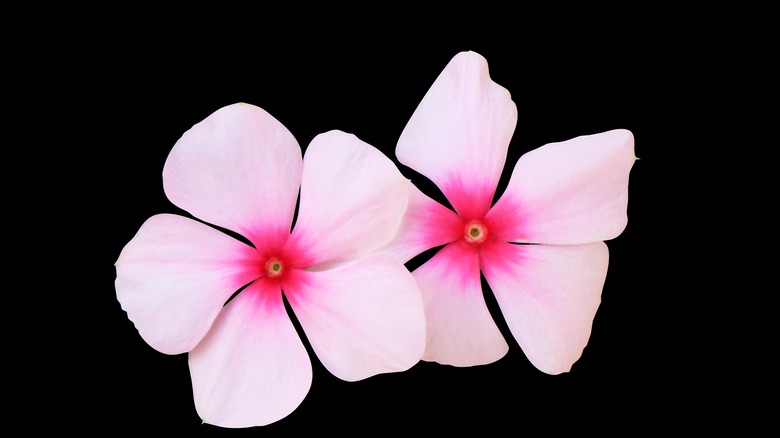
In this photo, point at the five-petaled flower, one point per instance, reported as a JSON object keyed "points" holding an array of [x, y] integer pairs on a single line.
{"points": [[540, 246], [241, 170]]}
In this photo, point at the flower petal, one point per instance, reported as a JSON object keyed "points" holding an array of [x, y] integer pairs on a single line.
{"points": [[569, 192], [460, 329], [352, 199], [426, 224], [252, 368], [548, 295], [240, 169], [175, 275], [362, 317], [459, 134]]}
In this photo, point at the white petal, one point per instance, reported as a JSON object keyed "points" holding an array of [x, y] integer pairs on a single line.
{"points": [[459, 134], [570, 192], [362, 317], [460, 329], [240, 169], [252, 369], [426, 224], [548, 295], [352, 199], [175, 275]]}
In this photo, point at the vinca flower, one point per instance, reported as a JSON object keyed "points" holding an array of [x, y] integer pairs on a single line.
{"points": [[240, 171], [540, 246]]}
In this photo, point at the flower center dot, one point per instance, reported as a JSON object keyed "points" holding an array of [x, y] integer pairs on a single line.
{"points": [[475, 232], [274, 267]]}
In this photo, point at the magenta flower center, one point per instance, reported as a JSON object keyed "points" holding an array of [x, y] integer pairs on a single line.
{"points": [[475, 231]]}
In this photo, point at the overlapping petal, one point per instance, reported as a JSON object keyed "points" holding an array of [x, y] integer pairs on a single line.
{"points": [[361, 317], [460, 330], [575, 191], [459, 134], [548, 295], [175, 275], [252, 368], [426, 224], [352, 199], [239, 168]]}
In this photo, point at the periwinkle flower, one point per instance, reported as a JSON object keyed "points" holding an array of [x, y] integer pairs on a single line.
{"points": [[540, 247], [240, 169]]}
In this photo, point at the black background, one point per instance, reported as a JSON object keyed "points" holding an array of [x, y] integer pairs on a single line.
{"points": [[642, 368]]}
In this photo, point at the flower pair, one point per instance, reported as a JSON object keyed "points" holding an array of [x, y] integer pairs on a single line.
{"points": [[341, 266]]}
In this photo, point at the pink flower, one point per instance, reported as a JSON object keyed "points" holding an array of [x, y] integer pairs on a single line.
{"points": [[540, 247], [240, 169]]}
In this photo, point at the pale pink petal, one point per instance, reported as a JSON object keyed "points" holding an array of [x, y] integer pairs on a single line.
{"points": [[460, 329], [426, 224], [569, 192], [174, 276], [252, 368], [240, 169], [352, 199], [459, 134], [548, 295], [362, 317]]}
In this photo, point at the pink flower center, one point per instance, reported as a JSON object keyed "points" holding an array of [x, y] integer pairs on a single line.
{"points": [[475, 231], [274, 268]]}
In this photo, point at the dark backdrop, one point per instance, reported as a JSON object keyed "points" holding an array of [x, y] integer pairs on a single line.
{"points": [[641, 368]]}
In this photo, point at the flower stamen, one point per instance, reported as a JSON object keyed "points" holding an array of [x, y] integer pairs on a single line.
{"points": [[475, 232], [274, 267]]}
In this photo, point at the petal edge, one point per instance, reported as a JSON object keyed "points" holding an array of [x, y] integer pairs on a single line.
{"points": [[570, 192], [549, 295], [459, 134], [174, 276]]}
